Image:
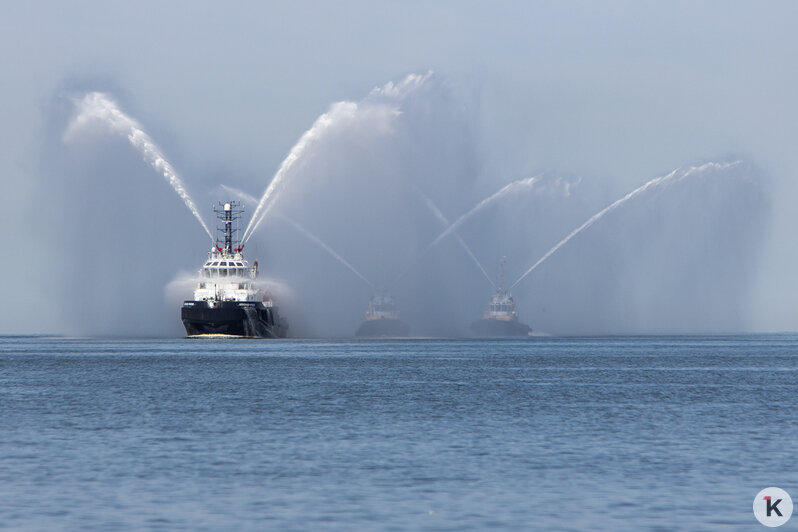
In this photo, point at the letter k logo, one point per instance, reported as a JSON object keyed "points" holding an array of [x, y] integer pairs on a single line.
{"points": [[772, 506]]}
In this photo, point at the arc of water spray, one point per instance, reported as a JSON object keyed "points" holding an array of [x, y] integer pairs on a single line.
{"points": [[528, 182], [338, 112], [322, 124], [674, 176], [313, 238], [100, 106], [240, 194], [441, 218]]}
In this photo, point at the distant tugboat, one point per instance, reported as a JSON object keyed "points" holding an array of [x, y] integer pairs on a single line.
{"points": [[500, 319], [382, 319], [225, 300]]}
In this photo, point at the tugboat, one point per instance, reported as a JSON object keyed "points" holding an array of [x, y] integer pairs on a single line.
{"points": [[382, 319], [226, 302], [500, 319]]}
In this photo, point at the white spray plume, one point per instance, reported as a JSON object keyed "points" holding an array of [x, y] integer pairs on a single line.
{"points": [[527, 182], [100, 107], [279, 289], [316, 240], [398, 91], [180, 288], [247, 199], [442, 218], [183, 284], [673, 177], [340, 113]]}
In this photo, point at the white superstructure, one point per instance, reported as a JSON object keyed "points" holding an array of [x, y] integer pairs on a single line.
{"points": [[382, 307], [228, 277], [500, 318], [501, 307]]}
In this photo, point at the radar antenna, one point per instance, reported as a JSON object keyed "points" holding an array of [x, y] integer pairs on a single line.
{"points": [[229, 214], [501, 274]]}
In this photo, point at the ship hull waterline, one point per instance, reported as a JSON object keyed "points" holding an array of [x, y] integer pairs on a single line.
{"points": [[493, 328], [383, 328], [247, 319]]}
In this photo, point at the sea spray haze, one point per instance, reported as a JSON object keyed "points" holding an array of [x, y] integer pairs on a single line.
{"points": [[115, 231], [364, 212], [100, 109], [605, 97], [354, 192], [361, 181], [679, 253]]}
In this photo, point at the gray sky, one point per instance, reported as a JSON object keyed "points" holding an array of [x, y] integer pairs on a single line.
{"points": [[612, 93]]}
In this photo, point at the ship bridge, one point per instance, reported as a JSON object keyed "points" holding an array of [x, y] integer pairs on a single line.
{"points": [[227, 268], [226, 276], [382, 306]]}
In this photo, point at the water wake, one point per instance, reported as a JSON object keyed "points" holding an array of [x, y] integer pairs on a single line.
{"points": [[316, 240], [662, 181], [339, 113], [100, 106], [441, 218]]}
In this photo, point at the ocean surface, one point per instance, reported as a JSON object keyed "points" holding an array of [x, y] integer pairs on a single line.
{"points": [[617, 433]]}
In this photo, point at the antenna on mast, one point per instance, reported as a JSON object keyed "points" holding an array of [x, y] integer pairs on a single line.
{"points": [[501, 274], [229, 213]]}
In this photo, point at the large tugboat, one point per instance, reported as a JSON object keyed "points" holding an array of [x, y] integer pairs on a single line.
{"points": [[382, 319], [226, 302], [500, 319]]}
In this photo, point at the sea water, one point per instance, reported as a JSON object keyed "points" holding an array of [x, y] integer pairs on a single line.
{"points": [[618, 433]]}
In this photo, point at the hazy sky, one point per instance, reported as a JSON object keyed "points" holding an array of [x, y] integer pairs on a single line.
{"points": [[612, 93]]}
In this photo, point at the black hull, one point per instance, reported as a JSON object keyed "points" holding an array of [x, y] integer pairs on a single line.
{"points": [[499, 328], [249, 319], [386, 328]]}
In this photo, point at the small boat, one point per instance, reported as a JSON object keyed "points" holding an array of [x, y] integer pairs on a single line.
{"points": [[500, 319], [382, 319]]}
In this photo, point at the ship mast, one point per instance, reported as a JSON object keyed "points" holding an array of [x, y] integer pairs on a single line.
{"points": [[228, 213], [501, 274]]}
